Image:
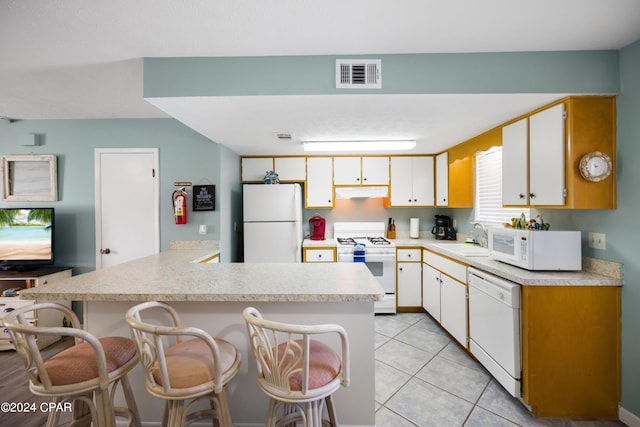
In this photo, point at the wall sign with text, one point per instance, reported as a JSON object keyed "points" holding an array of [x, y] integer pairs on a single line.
{"points": [[204, 197]]}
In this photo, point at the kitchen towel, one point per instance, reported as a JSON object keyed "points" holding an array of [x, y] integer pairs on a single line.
{"points": [[414, 228]]}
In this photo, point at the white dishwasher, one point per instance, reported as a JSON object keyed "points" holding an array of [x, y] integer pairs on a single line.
{"points": [[494, 327]]}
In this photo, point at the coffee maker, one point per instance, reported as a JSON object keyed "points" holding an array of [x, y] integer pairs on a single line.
{"points": [[443, 230], [317, 224]]}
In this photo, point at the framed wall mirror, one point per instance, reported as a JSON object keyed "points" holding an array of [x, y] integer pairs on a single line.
{"points": [[29, 178]]}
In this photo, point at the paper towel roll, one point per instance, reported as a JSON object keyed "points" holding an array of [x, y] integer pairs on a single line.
{"points": [[414, 228]]}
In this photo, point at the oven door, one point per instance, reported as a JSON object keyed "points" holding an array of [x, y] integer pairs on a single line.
{"points": [[382, 266]]}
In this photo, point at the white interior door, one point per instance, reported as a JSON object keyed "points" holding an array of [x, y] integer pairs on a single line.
{"points": [[127, 205]]}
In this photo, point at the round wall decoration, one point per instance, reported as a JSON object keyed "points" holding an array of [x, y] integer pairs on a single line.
{"points": [[595, 166]]}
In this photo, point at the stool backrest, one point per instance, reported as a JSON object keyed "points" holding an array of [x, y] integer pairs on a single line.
{"points": [[155, 327], [283, 354], [22, 328]]}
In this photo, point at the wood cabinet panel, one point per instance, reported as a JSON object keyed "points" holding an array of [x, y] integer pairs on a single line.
{"points": [[571, 350]]}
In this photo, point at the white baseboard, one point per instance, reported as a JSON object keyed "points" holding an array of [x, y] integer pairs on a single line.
{"points": [[629, 418]]}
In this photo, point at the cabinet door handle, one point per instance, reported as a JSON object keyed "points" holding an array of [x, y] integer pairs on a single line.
{"points": [[106, 251], [533, 196], [522, 196]]}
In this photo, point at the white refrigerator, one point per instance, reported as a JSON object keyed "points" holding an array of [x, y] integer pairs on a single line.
{"points": [[272, 217]]}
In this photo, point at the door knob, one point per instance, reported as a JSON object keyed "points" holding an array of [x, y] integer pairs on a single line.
{"points": [[105, 251]]}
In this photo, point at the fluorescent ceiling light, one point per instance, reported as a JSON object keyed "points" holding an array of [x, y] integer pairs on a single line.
{"points": [[358, 145]]}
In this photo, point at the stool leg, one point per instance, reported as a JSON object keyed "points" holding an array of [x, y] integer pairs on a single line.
{"points": [[104, 409], [314, 413], [224, 415], [134, 420], [175, 412], [271, 414], [52, 419], [331, 410]]}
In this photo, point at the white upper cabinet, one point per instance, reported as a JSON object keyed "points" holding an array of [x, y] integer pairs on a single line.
{"points": [[319, 188], [412, 181], [255, 168], [290, 168], [361, 170], [442, 179], [546, 157], [375, 170], [346, 171], [515, 161], [533, 160]]}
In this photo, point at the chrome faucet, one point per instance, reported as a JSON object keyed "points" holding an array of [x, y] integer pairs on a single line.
{"points": [[482, 240]]}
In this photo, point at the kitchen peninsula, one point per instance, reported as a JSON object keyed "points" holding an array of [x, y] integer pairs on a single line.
{"points": [[212, 297]]}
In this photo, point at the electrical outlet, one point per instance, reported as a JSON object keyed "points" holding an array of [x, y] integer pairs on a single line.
{"points": [[598, 241]]}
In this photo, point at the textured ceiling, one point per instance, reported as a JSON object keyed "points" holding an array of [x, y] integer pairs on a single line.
{"points": [[83, 58]]}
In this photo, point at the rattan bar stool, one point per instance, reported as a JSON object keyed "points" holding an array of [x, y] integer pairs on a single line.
{"points": [[86, 374], [183, 372], [298, 372]]}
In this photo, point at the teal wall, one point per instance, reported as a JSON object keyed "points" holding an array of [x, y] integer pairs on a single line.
{"points": [[621, 225], [518, 72], [184, 155]]}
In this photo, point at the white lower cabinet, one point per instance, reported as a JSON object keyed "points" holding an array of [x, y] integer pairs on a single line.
{"points": [[453, 306], [445, 294], [409, 278], [431, 291], [409, 290], [319, 255]]}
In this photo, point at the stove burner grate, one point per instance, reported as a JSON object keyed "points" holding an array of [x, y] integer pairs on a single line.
{"points": [[346, 240], [378, 240], [372, 240]]}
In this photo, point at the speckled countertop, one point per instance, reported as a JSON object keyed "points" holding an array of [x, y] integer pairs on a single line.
{"points": [[172, 276], [595, 272]]}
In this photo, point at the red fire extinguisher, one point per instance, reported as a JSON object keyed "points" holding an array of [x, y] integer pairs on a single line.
{"points": [[179, 199]]}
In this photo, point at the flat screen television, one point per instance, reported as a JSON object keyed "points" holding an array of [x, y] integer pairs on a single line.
{"points": [[26, 238]]}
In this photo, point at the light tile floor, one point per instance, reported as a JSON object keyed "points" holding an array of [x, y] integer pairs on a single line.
{"points": [[424, 378]]}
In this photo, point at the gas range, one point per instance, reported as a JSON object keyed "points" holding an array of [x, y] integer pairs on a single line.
{"points": [[365, 242], [368, 234]]}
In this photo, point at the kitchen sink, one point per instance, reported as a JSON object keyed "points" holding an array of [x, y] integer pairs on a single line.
{"points": [[463, 250]]}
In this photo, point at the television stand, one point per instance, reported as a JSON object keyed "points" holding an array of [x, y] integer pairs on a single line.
{"points": [[37, 276]]}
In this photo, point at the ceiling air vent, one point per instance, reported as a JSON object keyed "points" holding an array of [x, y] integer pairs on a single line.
{"points": [[284, 136], [358, 74]]}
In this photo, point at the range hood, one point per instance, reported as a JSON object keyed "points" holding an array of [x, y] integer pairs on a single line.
{"points": [[362, 192]]}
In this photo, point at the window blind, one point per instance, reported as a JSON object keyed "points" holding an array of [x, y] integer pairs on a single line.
{"points": [[489, 208]]}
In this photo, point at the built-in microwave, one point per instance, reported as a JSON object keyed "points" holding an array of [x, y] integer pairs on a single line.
{"points": [[536, 249]]}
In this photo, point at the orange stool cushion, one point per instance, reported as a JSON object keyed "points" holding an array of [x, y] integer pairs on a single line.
{"points": [[78, 363], [190, 363], [324, 364]]}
